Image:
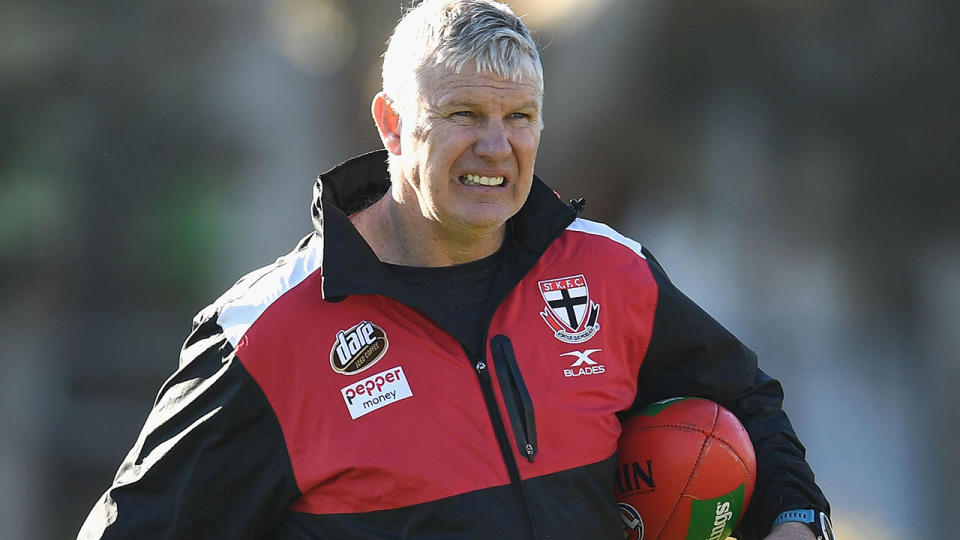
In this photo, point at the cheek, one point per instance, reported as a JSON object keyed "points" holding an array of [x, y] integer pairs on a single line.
{"points": [[526, 147], [445, 149], [528, 137]]}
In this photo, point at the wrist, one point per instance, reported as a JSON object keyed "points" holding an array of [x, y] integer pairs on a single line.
{"points": [[791, 531]]}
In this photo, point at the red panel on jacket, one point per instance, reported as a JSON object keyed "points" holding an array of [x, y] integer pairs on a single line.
{"points": [[439, 442]]}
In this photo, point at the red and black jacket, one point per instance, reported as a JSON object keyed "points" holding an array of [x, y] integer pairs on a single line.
{"points": [[314, 399]]}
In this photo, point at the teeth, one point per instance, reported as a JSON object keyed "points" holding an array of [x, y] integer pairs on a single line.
{"points": [[472, 179]]}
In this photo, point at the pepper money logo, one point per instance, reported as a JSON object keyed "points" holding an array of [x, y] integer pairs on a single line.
{"points": [[375, 392], [358, 347]]}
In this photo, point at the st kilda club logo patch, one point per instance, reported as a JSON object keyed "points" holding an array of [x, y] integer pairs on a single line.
{"points": [[358, 347], [632, 522], [569, 313]]}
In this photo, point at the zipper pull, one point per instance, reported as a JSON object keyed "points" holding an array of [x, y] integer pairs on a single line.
{"points": [[481, 366], [530, 452]]}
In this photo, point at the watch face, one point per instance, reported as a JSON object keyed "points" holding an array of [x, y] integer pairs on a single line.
{"points": [[826, 527]]}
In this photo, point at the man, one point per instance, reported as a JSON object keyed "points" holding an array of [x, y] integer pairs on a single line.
{"points": [[446, 356]]}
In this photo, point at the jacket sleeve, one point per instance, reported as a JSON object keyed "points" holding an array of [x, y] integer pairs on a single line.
{"points": [[210, 461], [691, 354]]}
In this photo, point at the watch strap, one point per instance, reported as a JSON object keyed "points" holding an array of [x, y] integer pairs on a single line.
{"points": [[803, 516], [818, 522]]}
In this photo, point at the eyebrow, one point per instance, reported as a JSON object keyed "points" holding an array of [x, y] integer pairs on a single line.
{"points": [[470, 105]]}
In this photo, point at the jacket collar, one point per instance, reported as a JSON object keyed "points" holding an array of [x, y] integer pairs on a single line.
{"points": [[350, 265]]}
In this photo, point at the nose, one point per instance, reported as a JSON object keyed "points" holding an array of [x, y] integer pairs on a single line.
{"points": [[493, 142]]}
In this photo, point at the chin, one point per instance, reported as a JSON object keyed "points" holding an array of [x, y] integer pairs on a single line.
{"points": [[486, 220], [482, 218], [481, 224]]}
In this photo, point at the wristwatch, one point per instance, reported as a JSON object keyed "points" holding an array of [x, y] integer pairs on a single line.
{"points": [[819, 522]]}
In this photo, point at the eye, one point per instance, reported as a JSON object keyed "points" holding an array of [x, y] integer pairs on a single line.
{"points": [[463, 114], [522, 118]]}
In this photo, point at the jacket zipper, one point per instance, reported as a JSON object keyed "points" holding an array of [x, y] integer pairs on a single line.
{"points": [[515, 395], [486, 387]]}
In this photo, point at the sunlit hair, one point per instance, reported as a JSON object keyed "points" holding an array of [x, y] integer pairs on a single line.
{"points": [[453, 33]]}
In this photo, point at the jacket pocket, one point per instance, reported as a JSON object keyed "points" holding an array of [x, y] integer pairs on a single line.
{"points": [[515, 395]]}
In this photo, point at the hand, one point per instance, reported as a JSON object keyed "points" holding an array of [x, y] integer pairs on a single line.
{"points": [[791, 531]]}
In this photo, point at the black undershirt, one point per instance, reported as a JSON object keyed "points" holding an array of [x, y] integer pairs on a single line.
{"points": [[458, 294]]}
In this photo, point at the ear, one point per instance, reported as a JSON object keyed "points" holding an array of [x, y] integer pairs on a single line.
{"points": [[388, 122]]}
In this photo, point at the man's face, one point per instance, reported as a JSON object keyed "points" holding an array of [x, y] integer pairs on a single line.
{"points": [[468, 154]]}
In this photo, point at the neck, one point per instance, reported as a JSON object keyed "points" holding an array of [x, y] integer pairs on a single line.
{"points": [[397, 237]]}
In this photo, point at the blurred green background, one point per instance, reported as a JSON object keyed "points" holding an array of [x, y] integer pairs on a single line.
{"points": [[793, 165]]}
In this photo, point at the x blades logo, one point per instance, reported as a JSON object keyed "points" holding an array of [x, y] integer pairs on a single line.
{"points": [[569, 312], [584, 365]]}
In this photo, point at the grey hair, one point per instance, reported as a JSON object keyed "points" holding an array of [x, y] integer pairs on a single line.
{"points": [[453, 33]]}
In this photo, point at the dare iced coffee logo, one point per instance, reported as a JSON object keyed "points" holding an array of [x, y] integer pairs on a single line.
{"points": [[358, 348]]}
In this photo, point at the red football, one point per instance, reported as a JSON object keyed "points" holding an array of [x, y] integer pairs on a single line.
{"points": [[686, 470]]}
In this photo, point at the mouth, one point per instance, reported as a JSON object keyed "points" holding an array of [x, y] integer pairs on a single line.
{"points": [[479, 180]]}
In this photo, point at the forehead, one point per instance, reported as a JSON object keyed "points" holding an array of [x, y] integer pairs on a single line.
{"points": [[441, 85]]}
